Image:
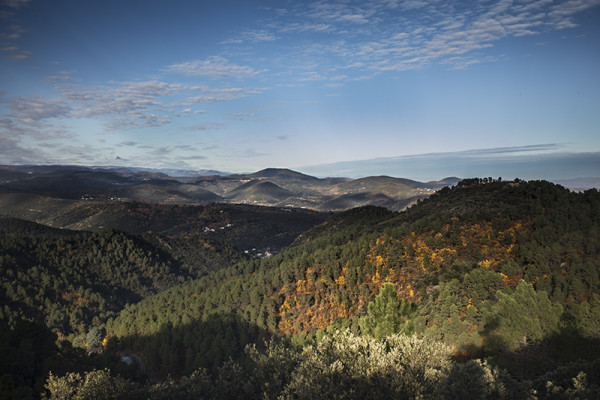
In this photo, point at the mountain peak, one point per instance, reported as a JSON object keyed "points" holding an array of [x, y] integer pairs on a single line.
{"points": [[280, 173]]}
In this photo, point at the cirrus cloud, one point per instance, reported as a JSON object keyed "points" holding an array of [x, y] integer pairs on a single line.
{"points": [[215, 66]]}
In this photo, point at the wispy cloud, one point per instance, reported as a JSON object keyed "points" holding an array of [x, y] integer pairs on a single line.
{"points": [[35, 117], [213, 95], [252, 36], [14, 3], [128, 104], [15, 53], [240, 116], [215, 66], [410, 4], [561, 14], [207, 127], [137, 120], [12, 151], [311, 76], [195, 157], [400, 35], [305, 27], [544, 147], [118, 105], [32, 111], [9, 43], [316, 45], [61, 77], [539, 161], [340, 12]]}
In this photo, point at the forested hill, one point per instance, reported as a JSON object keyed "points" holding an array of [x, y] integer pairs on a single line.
{"points": [[74, 280], [486, 267], [488, 289]]}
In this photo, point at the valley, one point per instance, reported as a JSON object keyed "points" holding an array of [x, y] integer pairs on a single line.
{"points": [[269, 187], [484, 286]]}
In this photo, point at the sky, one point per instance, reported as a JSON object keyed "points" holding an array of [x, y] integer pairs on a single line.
{"points": [[409, 88]]}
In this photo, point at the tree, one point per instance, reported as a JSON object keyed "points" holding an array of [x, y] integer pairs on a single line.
{"points": [[387, 315], [93, 385], [481, 284], [94, 338], [521, 317]]}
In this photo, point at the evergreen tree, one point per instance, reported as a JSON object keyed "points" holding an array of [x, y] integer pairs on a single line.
{"points": [[387, 314], [522, 317]]}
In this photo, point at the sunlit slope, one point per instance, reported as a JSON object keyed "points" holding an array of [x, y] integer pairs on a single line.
{"points": [[449, 255], [269, 187]]}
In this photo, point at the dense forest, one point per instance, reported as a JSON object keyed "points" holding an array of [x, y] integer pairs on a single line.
{"points": [[73, 281], [489, 289]]}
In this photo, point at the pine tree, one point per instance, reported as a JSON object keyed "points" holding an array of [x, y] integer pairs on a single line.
{"points": [[387, 314]]}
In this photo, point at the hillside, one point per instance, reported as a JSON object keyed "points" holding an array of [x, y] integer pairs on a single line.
{"points": [[348, 201], [386, 303], [253, 228], [258, 192], [65, 181], [380, 184], [269, 187], [283, 174], [162, 191], [73, 280], [458, 257]]}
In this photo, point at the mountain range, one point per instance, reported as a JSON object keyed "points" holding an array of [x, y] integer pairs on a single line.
{"points": [[487, 287], [268, 187]]}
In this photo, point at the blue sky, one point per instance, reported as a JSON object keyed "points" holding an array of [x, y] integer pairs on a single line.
{"points": [[409, 88]]}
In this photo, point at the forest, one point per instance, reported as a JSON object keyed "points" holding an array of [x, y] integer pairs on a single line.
{"points": [[487, 289]]}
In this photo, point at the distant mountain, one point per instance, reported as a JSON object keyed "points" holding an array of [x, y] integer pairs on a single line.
{"points": [[379, 184], [431, 291], [351, 200], [259, 192], [450, 181], [167, 171], [579, 183], [66, 180], [20, 227], [282, 173], [246, 227], [36, 169], [166, 194], [270, 187]]}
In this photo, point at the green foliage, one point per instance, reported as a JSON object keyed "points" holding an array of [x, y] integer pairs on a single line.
{"points": [[524, 316], [342, 366], [480, 239], [387, 314], [72, 282], [28, 353], [94, 385], [94, 338], [578, 380], [502, 271], [482, 284], [584, 317], [475, 379]]}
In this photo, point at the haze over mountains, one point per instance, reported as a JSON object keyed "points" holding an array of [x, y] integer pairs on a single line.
{"points": [[269, 187]]}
